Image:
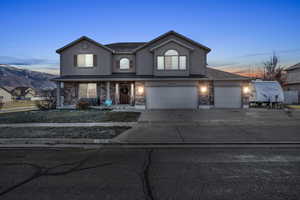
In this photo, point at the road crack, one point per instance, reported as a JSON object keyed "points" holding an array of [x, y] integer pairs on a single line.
{"points": [[51, 171], [147, 189]]}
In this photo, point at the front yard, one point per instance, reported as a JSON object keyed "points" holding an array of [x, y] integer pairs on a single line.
{"points": [[62, 132], [68, 116]]}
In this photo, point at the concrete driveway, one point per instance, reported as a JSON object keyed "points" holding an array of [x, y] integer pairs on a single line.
{"points": [[215, 126]]}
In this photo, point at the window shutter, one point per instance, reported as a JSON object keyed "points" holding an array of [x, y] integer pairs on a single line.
{"points": [[118, 64], [94, 60], [130, 64], [75, 60]]}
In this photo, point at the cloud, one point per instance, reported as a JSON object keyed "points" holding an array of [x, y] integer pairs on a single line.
{"points": [[24, 61]]}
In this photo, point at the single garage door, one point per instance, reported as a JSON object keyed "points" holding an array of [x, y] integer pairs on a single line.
{"points": [[227, 97], [178, 97]]}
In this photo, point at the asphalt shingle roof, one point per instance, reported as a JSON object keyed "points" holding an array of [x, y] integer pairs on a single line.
{"points": [[214, 74], [125, 46], [297, 66]]}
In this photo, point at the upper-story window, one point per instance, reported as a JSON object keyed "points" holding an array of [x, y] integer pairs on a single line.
{"points": [[171, 60], [85, 60], [124, 63]]}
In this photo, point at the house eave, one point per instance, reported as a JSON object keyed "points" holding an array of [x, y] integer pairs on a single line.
{"points": [[79, 40]]}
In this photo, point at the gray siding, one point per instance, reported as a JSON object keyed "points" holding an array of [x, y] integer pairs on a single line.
{"points": [[143, 61], [116, 60], [104, 60], [293, 76], [183, 51], [146, 61]]}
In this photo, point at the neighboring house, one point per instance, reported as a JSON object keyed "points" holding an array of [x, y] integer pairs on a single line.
{"points": [[292, 84], [168, 72], [5, 95], [23, 93], [293, 78]]}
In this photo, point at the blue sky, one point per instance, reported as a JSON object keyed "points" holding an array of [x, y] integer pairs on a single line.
{"points": [[241, 34]]}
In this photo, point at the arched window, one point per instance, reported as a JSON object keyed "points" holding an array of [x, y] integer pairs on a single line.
{"points": [[171, 60], [171, 53], [124, 63]]}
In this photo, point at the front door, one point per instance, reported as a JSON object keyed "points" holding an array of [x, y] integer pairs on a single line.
{"points": [[124, 93]]}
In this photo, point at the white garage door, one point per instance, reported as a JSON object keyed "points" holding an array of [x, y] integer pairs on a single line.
{"points": [[227, 97], [172, 97]]}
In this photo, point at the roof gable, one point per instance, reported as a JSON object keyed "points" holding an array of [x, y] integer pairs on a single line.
{"points": [[172, 40], [297, 66], [81, 39], [177, 35], [6, 90]]}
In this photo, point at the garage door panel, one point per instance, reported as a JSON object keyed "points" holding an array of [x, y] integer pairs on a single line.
{"points": [[227, 97], [172, 97]]}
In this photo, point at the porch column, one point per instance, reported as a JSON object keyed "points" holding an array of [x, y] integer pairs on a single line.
{"points": [[132, 94], [117, 95], [59, 100], [108, 90], [58, 94]]}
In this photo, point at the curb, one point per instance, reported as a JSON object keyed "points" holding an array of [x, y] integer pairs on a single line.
{"points": [[96, 143], [52, 141], [94, 124], [139, 146]]}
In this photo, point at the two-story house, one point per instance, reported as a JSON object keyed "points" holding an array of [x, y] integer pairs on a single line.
{"points": [[168, 72], [293, 81], [293, 77]]}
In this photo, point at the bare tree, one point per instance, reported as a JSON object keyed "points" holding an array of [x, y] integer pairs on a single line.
{"points": [[272, 70]]}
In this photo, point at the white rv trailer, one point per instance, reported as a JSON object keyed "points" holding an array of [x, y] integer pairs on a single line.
{"points": [[266, 92]]}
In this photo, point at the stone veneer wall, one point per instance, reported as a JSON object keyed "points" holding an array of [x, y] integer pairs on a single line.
{"points": [[113, 91], [70, 93], [101, 91], [139, 98], [208, 97]]}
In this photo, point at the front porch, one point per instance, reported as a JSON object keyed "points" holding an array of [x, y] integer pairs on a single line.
{"points": [[122, 94]]}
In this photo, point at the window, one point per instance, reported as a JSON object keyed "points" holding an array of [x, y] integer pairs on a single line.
{"points": [[160, 62], [124, 63], [85, 60], [171, 61], [87, 90], [182, 62]]}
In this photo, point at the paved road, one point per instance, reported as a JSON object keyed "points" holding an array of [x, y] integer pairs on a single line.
{"points": [[120, 173]]}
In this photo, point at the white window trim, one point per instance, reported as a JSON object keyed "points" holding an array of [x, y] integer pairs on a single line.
{"points": [[124, 68], [85, 64], [179, 68]]}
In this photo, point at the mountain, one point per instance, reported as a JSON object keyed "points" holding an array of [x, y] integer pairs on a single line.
{"points": [[12, 77]]}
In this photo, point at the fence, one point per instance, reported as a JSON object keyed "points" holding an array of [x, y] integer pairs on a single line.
{"points": [[18, 103]]}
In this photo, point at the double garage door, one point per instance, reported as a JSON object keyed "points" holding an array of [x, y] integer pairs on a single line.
{"points": [[186, 97], [168, 97]]}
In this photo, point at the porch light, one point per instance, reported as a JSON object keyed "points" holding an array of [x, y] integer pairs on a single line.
{"points": [[246, 90], [203, 89], [140, 90]]}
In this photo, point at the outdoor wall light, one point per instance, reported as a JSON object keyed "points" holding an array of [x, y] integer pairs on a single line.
{"points": [[140, 90], [246, 90], [203, 89]]}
